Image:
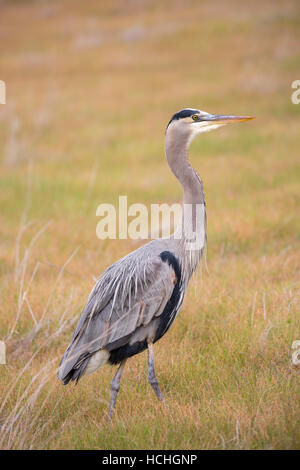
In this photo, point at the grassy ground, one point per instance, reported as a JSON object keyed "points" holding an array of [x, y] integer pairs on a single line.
{"points": [[90, 88]]}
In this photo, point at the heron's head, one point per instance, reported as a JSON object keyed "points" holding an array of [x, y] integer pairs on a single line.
{"points": [[188, 123]]}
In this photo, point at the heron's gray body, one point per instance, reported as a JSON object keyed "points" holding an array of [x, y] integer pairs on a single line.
{"points": [[135, 301], [124, 311]]}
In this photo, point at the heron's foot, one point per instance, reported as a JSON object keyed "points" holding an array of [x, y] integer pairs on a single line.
{"points": [[151, 374], [157, 390], [114, 389], [113, 398]]}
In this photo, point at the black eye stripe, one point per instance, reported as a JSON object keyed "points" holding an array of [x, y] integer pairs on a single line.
{"points": [[184, 113]]}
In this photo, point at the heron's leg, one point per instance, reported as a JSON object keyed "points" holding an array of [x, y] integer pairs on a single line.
{"points": [[115, 387], [151, 373]]}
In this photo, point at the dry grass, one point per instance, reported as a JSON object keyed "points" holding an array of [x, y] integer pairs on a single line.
{"points": [[90, 87]]}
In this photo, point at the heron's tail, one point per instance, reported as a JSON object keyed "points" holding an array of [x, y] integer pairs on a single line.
{"points": [[73, 366], [68, 370], [73, 375]]}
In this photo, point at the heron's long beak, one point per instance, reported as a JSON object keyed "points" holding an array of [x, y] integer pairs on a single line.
{"points": [[226, 119]]}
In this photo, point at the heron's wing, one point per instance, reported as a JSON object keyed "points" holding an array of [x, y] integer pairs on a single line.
{"points": [[128, 295], [122, 317]]}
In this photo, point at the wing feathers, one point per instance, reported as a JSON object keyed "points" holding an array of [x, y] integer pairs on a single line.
{"points": [[127, 296]]}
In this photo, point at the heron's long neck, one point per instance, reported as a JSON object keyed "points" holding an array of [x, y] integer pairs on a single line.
{"points": [[193, 214], [177, 156]]}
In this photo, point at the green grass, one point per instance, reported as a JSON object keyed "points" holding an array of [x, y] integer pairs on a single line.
{"points": [[91, 118]]}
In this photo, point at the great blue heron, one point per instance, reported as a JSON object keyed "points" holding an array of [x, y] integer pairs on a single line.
{"points": [[135, 301]]}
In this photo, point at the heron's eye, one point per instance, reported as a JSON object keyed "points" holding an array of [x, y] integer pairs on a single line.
{"points": [[195, 117]]}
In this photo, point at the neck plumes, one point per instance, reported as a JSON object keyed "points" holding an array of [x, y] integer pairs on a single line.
{"points": [[191, 232]]}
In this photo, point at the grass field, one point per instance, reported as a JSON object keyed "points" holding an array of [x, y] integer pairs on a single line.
{"points": [[90, 89]]}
